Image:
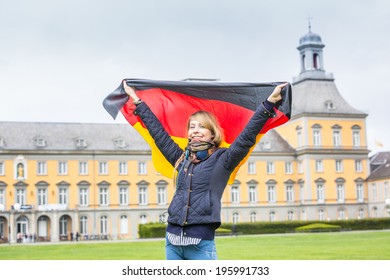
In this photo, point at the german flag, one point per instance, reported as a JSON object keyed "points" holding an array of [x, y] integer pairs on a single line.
{"points": [[174, 101]]}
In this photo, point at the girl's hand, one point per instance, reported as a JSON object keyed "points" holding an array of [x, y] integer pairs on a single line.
{"points": [[130, 91], [276, 95]]}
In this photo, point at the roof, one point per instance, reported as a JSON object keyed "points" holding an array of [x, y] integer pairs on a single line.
{"points": [[64, 136], [312, 96], [380, 166], [97, 136]]}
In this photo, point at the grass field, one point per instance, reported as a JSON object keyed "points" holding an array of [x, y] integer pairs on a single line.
{"points": [[366, 245]]}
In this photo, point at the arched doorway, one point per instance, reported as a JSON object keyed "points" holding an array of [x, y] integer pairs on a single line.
{"points": [[65, 227], [44, 228]]}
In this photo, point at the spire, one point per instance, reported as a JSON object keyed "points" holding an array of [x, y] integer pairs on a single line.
{"points": [[311, 57]]}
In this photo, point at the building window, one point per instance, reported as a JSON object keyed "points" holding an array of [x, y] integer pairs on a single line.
{"points": [[290, 215], [341, 214], [2, 168], [161, 195], [317, 137], [103, 197], [359, 192], [104, 225], [374, 212], [123, 170], [288, 167], [356, 138], [336, 138], [252, 194], [103, 168], [83, 196], [321, 215], [235, 194], [83, 168], [63, 196], [272, 216], [2, 197], [320, 193], [289, 193], [142, 196], [270, 168], [319, 166], [361, 214], [235, 217], [84, 225], [253, 217], [41, 168], [142, 170], [62, 168], [251, 167], [124, 228], [64, 226], [358, 166], [339, 165], [340, 193], [143, 219], [42, 196], [20, 196], [124, 196], [271, 194]]}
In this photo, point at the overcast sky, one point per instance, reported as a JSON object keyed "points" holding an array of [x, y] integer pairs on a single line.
{"points": [[59, 59]]}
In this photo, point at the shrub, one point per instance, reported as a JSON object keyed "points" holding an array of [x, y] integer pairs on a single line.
{"points": [[317, 227]]}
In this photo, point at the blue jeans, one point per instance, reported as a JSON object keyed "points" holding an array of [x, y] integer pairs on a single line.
{"points": [[205, 250]]}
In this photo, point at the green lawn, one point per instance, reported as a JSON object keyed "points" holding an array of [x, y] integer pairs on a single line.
{"points": [[370, 245]]}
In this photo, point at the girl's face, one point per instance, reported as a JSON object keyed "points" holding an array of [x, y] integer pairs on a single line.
{"points": [[198, 132]]}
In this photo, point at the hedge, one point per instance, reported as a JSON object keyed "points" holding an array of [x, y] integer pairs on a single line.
{"points": [[157, 230]]}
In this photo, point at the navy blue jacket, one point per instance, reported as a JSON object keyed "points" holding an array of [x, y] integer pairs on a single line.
{"points": [[199, 188]]}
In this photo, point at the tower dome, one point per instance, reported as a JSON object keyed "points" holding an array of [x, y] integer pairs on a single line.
{"points": [[310, 38]]}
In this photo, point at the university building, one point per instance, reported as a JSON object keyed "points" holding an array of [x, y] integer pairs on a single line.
{"points": [[98, 180]]}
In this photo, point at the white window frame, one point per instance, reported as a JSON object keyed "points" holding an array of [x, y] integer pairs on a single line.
{"points": [[360, 192], [83, 168], [339, 165], [62, 168], [288, 167], [142, 168], [271, 191], [83, 196], [42, 196], [252, 194], [41, 168], [320, 193], [356, 138], [143, 195], [358, 166], [2, 168], [337, 137], [340, 190], [63, 196], [270, 167], [251, 167], [103, 168], [319, 165], [123, 196], [317, 137], [290, 193], [162, 195], [235, 193], [123, 168], [104, 196]]}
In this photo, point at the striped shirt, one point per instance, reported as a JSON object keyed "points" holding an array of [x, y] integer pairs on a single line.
{"points": [[181, 240]]}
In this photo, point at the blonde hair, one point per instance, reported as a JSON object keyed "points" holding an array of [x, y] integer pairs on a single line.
{"points": [[210, 122]]}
